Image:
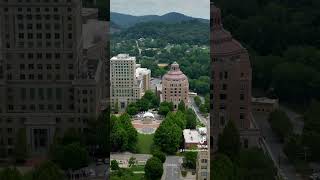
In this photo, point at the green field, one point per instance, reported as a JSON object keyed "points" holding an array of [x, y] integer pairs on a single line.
{"points": [[144, 143]]}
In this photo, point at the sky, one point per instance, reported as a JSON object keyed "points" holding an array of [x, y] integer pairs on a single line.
{"points": [[194, 8]]}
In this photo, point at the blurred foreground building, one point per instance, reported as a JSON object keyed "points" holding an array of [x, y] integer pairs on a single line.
{"points": [[52, 70], [230, 86]]}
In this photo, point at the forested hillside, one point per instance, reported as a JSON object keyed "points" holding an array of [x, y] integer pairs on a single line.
{"points": [[193, 32]]}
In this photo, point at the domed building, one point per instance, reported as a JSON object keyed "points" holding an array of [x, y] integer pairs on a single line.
{"points": [[231, 84], [175, 86]]}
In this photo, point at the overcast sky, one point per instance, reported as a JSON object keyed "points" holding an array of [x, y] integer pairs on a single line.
{"points": [[194, 8]]}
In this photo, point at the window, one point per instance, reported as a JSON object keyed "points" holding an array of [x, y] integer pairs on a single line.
{"points": [[39, 66], [222, 121], [241, 97], [32, 93], [225, 75], [223, 96], [224, 87], [49, 93], [58, 93], [21, 35], [242, 115]]}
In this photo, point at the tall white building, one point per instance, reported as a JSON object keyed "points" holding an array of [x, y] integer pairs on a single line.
{"points": [[127, 81]]}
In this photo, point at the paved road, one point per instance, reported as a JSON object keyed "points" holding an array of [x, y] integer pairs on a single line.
{"points": [[172, 168], [138, 47], [196, 110], [275, 146]]}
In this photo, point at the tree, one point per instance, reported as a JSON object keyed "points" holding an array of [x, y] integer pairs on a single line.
{"points": [[293, 147], [47, 170], [197, 100], [10, 174], [114, 165], [160, 155], [164, 110], [229, 140], [132, 109], [143, 104], [153, 168], [72, 156], [190, 159], [280, 124], [254, 164], [191, 119], [20, 150], [132, 161], [167, 137], [71, 136], [181, 106], [116, 107], [222, 168]]}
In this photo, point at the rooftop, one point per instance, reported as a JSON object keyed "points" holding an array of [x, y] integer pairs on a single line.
{"points": [[123, 57]]}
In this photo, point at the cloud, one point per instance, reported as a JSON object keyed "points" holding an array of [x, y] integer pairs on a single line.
{"points": [[195, 8]]}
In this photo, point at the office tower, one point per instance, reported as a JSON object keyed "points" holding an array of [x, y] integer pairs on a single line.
{"points": [[175, 86], [53, 67], [125, 88], [231, 84], [144, 76]]}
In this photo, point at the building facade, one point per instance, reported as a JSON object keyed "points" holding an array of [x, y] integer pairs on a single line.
{"points": [[125, 87], [52, 70], [144, 76], [231, 84], [203, 165], [175, 86]]}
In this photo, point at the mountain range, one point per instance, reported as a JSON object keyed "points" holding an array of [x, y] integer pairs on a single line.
{"points": [[126, 21]]}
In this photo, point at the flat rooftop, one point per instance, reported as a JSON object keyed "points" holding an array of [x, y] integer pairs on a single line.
{"points": [[123, 57]]}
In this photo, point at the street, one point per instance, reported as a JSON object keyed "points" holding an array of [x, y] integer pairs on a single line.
{"points": [[171, 168], [275, 146], [195, 108]]}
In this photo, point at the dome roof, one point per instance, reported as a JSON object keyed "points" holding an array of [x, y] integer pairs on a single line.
{"points": [[223, 43], [175, 73]]}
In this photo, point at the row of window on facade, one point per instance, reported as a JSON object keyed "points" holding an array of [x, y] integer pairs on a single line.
{"points": [[39, 36], [225, 75], [38, 66], [57, 120], [39, 44], [224, 97], [39, 9], [39, 1], [40, 56], [39, 77], [46, 108]]}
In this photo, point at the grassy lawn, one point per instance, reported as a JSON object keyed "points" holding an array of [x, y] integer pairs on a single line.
{"points": [[132, 177], [144, 143], [137, 168]]}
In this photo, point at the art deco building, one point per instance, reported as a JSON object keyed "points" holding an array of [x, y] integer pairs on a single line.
{"points": [[128, 82], [175, 86], [52, 70], [231, 84]]}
